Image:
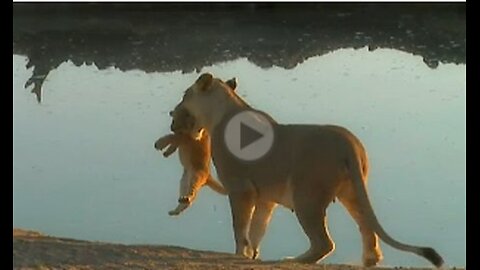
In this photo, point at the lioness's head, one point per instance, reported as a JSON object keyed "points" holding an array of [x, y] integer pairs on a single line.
{"points": [[183, 121]]}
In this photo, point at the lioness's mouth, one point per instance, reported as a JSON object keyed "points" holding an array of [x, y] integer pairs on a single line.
{"points": [[198, 134]]}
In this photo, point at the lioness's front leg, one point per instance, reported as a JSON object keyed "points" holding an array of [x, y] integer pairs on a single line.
{"points": [[261, 218], [242, 204]]}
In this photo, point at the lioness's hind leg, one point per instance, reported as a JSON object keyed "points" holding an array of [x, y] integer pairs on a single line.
{"points": [[372, 253], [311, 212]]}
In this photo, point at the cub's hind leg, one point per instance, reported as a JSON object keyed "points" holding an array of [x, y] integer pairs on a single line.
{"points": [[196, 180], [190, 184], [183, 203]]}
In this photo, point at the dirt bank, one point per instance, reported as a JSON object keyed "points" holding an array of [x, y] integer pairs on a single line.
{"points": [[34, 250]]}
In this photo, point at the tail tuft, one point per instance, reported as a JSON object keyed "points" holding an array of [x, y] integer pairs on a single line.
{"points": [[431, 255]]}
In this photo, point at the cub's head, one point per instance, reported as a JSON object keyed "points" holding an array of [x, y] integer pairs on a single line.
{"points": [[184, 122], [206, 97]]}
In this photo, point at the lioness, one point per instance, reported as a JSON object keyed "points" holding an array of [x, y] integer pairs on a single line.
{"points": [[307, 167], [194, 154]]}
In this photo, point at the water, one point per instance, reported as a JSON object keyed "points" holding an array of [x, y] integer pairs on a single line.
{"points": [[85, 167]]}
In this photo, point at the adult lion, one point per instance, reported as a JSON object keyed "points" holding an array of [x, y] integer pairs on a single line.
{"points": [[307, 167]]}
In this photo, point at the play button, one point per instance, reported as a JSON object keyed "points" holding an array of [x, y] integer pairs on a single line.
{"points": [[249, 135]]}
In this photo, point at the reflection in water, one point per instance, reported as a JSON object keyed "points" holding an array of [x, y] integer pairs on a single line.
{"points": [[89, 170], [169, 37]]}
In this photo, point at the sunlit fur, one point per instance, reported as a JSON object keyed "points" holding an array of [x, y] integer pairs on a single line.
{"points": [[193, 143], [307, 168], [194, 153]]}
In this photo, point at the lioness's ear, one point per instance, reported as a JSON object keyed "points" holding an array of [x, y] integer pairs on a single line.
{"points": [[232, 83], [204, 81]]}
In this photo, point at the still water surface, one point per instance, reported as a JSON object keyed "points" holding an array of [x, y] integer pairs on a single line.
{"points": [[85, 167]]}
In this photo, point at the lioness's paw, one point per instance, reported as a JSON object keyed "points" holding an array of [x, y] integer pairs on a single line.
{"points": [[370, 262], [246, 252], [256, 253]]}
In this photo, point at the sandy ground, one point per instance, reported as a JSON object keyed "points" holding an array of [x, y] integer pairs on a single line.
{"points": [[34, 250]]}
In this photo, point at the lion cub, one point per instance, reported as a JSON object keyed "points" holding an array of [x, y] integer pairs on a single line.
{"points": [[194, 154]]}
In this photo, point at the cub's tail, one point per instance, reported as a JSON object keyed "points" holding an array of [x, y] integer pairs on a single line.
{"points": [[215, 185]]}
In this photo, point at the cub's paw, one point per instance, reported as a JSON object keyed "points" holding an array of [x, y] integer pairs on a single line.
{"points": [[174, 212], [180, 208], [161, 143], [185, 199]]}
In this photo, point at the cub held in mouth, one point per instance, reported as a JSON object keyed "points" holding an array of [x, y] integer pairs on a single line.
{"points": [[193, 145]]}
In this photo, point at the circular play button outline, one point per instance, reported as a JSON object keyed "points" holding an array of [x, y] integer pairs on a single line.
{"points": [[249, 135]]}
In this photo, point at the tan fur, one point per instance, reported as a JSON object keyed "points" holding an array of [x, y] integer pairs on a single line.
{"points": [[195, 158], [194, 154], [306, 169]]}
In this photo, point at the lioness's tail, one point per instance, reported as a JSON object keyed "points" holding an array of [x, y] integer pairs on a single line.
{"points": [[215, 185], [426, 252]]}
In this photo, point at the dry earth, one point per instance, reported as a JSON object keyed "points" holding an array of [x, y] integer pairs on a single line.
{"points": [[34, 250]]}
